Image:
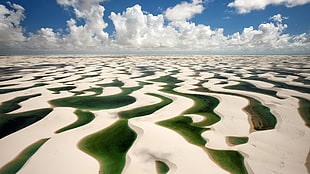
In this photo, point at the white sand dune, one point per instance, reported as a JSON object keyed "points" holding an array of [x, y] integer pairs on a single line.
{"points": [[280, 150]]}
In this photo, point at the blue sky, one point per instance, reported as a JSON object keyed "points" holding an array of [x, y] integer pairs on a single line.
{"points": [[215, 14]]}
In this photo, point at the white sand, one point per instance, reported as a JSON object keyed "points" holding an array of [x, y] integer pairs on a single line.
{"points": [[281, 150]]}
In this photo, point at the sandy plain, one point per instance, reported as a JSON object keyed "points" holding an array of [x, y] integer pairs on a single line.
{"points": [[282, 149]]}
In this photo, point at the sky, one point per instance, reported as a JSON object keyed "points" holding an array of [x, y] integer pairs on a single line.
{"points": [[155, 27]]}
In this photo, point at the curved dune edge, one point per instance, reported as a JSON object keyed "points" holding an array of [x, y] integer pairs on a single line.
{"points": [[286, 146], [283, 110], [19, 161]]}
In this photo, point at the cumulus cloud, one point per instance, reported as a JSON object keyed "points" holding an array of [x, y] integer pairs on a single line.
{"points": [[90, 35], [45, 38], [93, 30], [268, 35], [10, 29], [246, 6], [137, 30], [134, 28], [278, 18], [184, 11]]}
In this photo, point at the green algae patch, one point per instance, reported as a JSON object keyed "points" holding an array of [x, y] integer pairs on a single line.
{"points": [[63, 88], [184, 126], [83, 119], [97, 91], [237, 140], [303, 80], [245, 86], [304, 110], [142, 83], [19, 161], [11, 105], [86, 76], [167, 79], [161, 167], [129, 90], [10, 123], [96, 102], [231, 161], [8, 90], [146, 110], [261, 117], [115, 83], [204, 106], [93, 103], [281, 84], [145, 74], [110, 146]]}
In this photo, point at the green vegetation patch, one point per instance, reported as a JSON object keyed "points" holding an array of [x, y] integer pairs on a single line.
{"points": [[261, 116], [127, 91], [63, 88], [237, 140], [281, 84], [97, 91], [8, 90], [38, 77], [145, 74], [231, 161], [11, 105], [115, 83], [59, 78], [204, 106], [167, 79], [19, 161], [141, 83], [185, 127], [110, 146], [302, 79], [83, 119], [218, 76], [94, 103], [146, 110], [97, 103], [304, 110], [245, 86], [162, 168], [10, 123], [86, 76]]}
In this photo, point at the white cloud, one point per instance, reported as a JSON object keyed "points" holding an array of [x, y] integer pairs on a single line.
{"points": [[277, 18], [45, 38], [79, 4], [92, 33], [246, 6], [184, 11], [268, 35], [136, 30], [10, 29]]}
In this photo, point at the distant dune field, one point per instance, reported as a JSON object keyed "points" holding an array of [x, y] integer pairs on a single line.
{"points": [[154, 114]]}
